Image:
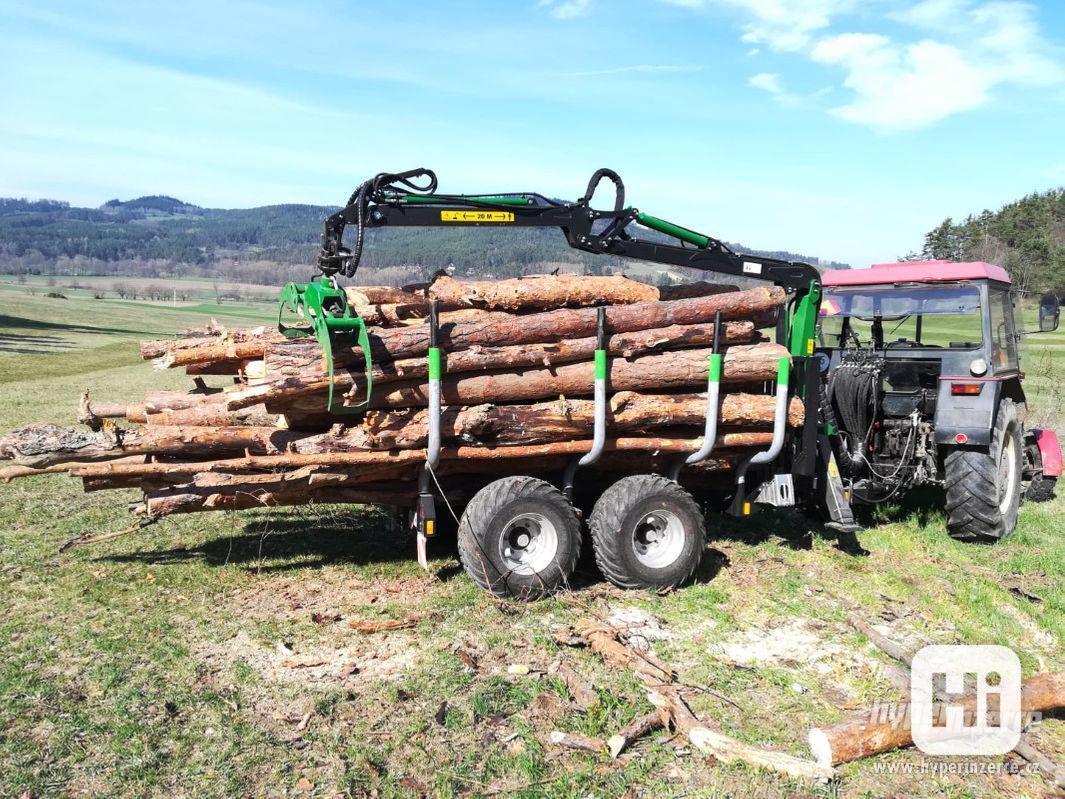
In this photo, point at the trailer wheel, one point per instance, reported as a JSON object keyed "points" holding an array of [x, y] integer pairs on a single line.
{"points": [[1041, 489], [647, 532], [984, 485], [519, 537]]}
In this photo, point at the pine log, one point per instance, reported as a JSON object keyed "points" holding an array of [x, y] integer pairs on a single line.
{"points": [[240, 339], [258, 463], [285, 382], [46, 445], [559, 420], [378, 295], [214, 415], [541, 292], [658, 372], [158, 401], [701, 288], [193, 501], [869, 734], [301, 359]]}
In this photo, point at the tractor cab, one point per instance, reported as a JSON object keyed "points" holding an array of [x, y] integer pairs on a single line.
{"points": [[922, 362]]}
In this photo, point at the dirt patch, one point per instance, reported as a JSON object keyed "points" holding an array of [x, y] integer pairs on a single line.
{"points": [[385, 656], [326, 595]]}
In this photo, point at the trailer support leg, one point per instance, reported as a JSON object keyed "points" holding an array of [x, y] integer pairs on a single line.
{"points": [[426, 510], [740, 505], [599, 431], [713, 405]]}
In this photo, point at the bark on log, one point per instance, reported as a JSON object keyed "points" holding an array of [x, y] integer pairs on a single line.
{"points": [[658, 372], [287, 381], [540, 292], [45, 445], [256, 336], [863, 735], [303, 358], [378, 295], [214, 415], [729, 750], [700, 288], [258, 463], [561, 419], [194, 501]]}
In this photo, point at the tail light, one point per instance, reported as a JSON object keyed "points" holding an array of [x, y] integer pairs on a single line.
{"points": [[966, 389]]}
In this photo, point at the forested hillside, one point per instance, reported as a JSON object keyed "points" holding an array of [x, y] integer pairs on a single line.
{"points": [[1027, 237], [161, 236]]}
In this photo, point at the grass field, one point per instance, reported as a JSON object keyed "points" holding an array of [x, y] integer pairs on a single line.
{"points": [[210, 655]]}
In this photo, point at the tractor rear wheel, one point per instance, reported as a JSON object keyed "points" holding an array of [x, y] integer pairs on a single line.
{"points": [[519, 537], [647, 532], [984, 484]]}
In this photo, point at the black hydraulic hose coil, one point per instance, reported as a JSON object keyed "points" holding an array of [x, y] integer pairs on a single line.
{"points": [[850, 402]]}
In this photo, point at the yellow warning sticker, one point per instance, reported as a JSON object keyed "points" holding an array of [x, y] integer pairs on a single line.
{"points": [[833, 470], [809, 346], [476, 216]]}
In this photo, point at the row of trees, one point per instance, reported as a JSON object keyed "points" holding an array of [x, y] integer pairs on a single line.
{"points": [[1026, 237]]}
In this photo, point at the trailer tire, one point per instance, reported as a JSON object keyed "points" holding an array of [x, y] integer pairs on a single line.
{"points": [[984, 485], [1041, 489], [631, 509], [519, 538]]}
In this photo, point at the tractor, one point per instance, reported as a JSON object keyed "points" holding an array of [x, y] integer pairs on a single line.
{"points": [[923, 386]]}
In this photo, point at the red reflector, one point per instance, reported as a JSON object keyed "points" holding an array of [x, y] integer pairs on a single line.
{"points": [[961, 438], [967, 389]]}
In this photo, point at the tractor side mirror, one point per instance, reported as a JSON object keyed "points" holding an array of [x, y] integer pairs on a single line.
{"points": [[1049, 313]]}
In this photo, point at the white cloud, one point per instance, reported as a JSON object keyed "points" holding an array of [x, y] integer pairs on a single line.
{"points": [[783, 25], [961, 52], [567, 9], [906, 86], [770, 82], [899, 88]]}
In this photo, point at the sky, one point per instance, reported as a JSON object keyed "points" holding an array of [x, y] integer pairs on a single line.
{"points": [[842, 129]]}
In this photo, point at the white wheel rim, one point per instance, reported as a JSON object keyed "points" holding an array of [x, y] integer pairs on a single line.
{"points": [[658, 539], [1007, 468], [528, 544]]}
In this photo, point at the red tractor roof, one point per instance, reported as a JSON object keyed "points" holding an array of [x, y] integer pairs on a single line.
{"points": [[915, 272]]}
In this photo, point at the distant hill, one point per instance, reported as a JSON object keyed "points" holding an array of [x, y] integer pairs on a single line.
{"points": [[1026, 237], [161, 236]]}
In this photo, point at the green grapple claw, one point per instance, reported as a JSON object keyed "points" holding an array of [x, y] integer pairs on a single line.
{"points": [[324, 310]]}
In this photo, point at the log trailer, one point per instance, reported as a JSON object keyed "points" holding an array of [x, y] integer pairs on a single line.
{"points": [[521, 536]]}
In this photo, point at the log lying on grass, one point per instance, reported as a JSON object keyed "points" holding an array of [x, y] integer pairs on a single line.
{"points": [[869, 734]]}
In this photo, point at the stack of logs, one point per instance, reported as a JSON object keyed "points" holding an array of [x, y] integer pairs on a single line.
{"points": [[516, 392]]}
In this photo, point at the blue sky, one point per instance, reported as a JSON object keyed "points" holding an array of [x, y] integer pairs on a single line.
{"points": [[837, 128]]}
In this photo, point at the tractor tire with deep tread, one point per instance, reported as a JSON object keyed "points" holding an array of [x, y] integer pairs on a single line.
{"points": [[645, 505], [519, 538], [983, 485]]}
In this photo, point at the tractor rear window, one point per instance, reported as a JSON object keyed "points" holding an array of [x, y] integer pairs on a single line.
{"points": [[930, 316]]}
